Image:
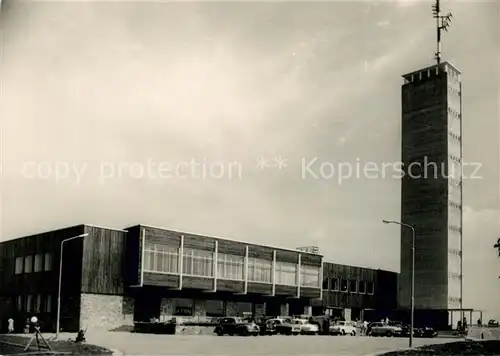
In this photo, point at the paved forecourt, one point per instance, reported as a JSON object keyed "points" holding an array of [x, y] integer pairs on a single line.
{"points": [[148, 344]]}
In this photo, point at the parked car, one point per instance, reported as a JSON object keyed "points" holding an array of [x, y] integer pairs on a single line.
{"points": [[426, 332], [493, 323], [343, 328], [306, 328], [382, 329], [236, 326], [266, 327], [285, 326]]}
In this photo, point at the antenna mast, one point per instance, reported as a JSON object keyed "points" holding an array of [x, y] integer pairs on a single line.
{"points": [[442, 23]]}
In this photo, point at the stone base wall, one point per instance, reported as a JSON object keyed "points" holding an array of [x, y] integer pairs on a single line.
{"points": [[107, 312]]}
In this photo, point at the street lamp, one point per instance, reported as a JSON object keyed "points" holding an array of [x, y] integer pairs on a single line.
{"points": [[412, 307], [60, 279]]}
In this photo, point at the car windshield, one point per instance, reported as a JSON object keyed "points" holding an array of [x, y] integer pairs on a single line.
{"points": [[340, 323], [300, 322], [287, 320]]}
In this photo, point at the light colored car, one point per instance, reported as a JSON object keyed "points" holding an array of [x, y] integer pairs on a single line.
{"points": [[306, 328], [286, 326], [382, 329], [343, 328]]}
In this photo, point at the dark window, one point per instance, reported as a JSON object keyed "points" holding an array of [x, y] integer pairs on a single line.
{"points": [[369, 287], [343, 285], [353, 286], [362, 287], [215, 308], [183, 307], [325, 284], [335, 284]]}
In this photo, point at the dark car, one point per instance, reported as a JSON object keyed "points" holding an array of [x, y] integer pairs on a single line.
{"points": [[425, 332], [266, 327], [493, 323], [236, 326]]}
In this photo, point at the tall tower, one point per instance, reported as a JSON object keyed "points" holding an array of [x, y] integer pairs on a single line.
{"points": [[431, 196]]}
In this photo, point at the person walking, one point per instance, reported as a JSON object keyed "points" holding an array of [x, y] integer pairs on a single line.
{"points": [[10, 326]]}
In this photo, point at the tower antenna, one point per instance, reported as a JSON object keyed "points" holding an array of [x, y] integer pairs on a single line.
{"points": [[442, 24]]}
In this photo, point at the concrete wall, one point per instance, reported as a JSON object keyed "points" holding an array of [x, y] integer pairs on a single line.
{"points": [[107, 312]]}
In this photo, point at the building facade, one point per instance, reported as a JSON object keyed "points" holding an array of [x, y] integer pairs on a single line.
{"points": [[431, 198], [112, 277]]}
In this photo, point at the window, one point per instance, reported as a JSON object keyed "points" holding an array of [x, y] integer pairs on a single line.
{"points": [[369, 287], [215, 308], [353, 286], [48, 262], [19, 265], [161, 258], [259, 270], [286, 273], [344, 285], [28, 264], [38, 303], [309, 276], [19, 302], [230, 267], [183, 307], [48, 303], [335, 284], [198, 263], [38, 262], [362, 287], [29, 303], [325, 284]]}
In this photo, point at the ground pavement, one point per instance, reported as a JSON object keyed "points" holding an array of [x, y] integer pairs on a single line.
{"points": [[488, 333], [148, 344]]}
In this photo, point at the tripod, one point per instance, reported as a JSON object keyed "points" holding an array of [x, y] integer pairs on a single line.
{"points": [[40, 340]]}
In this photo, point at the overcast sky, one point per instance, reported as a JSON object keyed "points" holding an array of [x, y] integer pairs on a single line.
{"points": [[93, 87]]}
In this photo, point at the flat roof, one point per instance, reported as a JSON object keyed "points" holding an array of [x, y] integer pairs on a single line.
{"points": [[227, 239], [442, 64], [61, 229]]}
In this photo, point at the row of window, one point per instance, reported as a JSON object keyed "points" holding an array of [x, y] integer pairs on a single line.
{"points": [[454, 113], [34, 303], [336, 284], [455, 158], [164, 259], [455, 228], [213, 308], [454, 251], [33, 263], [454, 205], [455, 136]]}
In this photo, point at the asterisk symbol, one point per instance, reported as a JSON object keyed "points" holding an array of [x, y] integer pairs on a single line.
{"points": [[280, 162], [261, 163]]}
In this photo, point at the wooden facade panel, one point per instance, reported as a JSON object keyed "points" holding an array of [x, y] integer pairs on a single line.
{"points": [[262, 252], [166, 241], [232, 247], [259, 288], [199, 242], [311, 259], [306, 292], [285, 290], [224, 285], [197, 283], [47, 242], [159, 279], [104, 252], [287, 256]]}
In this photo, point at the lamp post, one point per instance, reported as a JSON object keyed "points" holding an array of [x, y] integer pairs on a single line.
{"points": [[60, 279], [412, 307]]}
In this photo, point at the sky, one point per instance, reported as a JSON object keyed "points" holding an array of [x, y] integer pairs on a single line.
{"points": [[99, 100]]}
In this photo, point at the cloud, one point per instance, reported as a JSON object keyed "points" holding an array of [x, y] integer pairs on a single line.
{"points": [[383, 23]]}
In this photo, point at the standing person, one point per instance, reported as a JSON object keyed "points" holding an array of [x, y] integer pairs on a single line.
{"points": [[479, 323], [10, 325], [365, 327]]}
